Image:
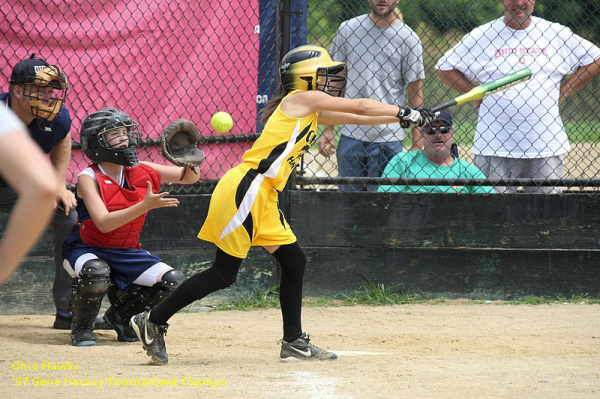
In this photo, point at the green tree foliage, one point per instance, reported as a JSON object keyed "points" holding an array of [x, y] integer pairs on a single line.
{"points": [[582, 16], [446, 16]]}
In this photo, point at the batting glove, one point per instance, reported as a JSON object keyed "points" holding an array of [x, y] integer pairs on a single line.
{"points": [[410, 118]]}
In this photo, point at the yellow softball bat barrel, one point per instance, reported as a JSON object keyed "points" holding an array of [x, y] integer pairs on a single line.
{"points": [[481, 91]]}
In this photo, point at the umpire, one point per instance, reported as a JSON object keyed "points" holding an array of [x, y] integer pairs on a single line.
{"points": [[37, 93]]}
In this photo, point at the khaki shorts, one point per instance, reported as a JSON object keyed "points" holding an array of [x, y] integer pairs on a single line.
{"points": [[243, 212]]}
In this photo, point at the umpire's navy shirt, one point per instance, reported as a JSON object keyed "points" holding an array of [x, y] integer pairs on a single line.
{"points": [[47, 134]]}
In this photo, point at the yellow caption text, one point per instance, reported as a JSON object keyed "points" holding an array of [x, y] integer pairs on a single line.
{"points": [[118, 382]]}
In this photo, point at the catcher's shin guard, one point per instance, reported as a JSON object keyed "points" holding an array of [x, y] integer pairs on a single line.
{"points": [[169, 283], [127, 304], [87, 295]]}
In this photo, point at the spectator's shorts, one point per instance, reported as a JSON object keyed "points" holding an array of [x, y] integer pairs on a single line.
{"points": [[514, 168]]}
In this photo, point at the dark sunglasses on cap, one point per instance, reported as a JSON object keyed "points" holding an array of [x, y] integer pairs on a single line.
{"points": [[433, 129]]}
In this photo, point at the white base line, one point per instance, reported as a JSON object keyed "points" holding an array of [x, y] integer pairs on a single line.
{"points": [[357, 353]]}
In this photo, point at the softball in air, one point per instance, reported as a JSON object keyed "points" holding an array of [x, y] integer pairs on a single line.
{"points": [[221, 122]]}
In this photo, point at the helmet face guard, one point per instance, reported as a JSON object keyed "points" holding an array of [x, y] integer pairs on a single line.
{"points": [[95, 144], [47, 92], [134, 136], [332, 80]]}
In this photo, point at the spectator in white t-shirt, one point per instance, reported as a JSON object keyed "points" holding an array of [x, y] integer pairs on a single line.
{"points": [[29, 173], [519, 131]]}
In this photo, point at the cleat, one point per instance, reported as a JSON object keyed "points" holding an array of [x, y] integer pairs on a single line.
{"points": [[152, 337], [302, 349], [82, 337], [62, 321], [101, 324], [124, 330]]}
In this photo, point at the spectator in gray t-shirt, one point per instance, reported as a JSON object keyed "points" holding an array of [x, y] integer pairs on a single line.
{"points": [[383, 57]]}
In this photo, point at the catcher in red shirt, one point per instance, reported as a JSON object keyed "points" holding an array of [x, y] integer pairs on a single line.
{"points": [[115, 193]]}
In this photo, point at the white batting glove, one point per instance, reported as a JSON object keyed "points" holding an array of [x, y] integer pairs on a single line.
{"points": [[410, 118]]}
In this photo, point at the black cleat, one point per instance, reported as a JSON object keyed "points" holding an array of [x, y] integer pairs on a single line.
{"points": [[302, 349], [62, 321], [124, 330], [101, 324], [83, 337], [152, 337]]}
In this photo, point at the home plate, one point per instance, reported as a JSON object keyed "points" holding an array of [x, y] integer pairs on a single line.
{"points": [[358, 353]]}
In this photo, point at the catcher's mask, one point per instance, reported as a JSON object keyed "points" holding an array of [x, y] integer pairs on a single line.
{"points": [[311, 68], [45, 85], [93, 137]]}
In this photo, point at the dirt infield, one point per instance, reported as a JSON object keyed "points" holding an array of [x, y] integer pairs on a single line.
{"points": [[449, 350]]}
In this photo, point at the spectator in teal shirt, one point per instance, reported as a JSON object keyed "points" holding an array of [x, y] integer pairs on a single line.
{"points": [[435, 161]]}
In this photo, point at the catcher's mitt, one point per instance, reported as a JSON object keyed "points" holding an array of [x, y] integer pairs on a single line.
{"points": [[179, 144]]}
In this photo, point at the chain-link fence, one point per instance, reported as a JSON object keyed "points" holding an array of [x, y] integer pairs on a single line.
{"points": [[156, 60], [163, 60], [516, 136]]}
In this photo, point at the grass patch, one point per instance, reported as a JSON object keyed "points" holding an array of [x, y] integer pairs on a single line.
{"points": [[316, 302], [532, 300], [371, 293], [584, 298], [269, 298], [377, 294], [543, 300], [266, 299]]}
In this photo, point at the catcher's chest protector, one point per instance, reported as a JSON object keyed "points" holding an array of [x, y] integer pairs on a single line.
{"points": [[115, 198]]}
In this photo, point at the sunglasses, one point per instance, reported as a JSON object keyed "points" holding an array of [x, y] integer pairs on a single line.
{"points": [[442, 129]]}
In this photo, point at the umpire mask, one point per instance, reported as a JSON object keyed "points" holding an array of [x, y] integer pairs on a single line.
{"points": [[95, 145], [45, 85]]}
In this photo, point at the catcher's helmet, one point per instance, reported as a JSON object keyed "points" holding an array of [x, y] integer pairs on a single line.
{"points": [[39, 76], [311, 68], [93, 142]]}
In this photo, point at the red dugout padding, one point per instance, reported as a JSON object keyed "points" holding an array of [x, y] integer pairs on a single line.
{"points": [[156, 60]]}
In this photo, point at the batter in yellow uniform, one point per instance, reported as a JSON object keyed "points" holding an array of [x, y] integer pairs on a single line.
{"points": [[243, 209]]}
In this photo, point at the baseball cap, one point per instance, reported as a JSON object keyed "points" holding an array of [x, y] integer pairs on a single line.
{"points": [[25, 71], [444, 116]]}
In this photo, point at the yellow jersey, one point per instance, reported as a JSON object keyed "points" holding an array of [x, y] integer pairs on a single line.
{"points": [[281, 145]]}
